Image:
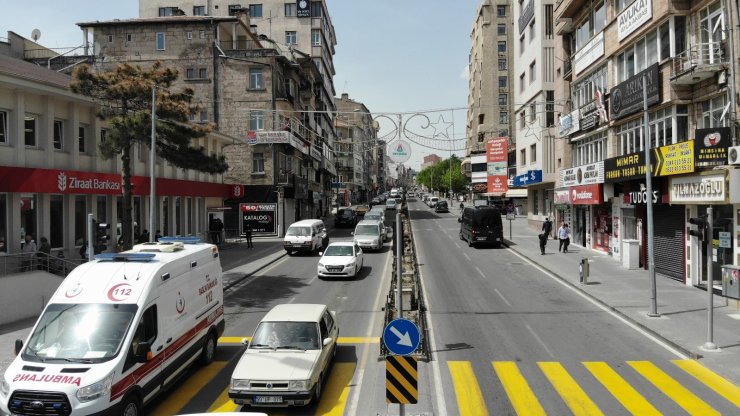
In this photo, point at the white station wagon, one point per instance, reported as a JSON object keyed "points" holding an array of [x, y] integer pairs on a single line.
{"points": [[288, 358]]}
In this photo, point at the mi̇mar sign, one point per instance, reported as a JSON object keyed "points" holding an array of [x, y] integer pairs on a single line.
{"points": [[626, 98], [668, 160], [261, 216]]}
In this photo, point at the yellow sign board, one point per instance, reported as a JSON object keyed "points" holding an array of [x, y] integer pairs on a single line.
{"points": [[674, 159]]}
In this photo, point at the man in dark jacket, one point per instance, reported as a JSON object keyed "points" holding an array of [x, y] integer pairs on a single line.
{"points": [[543, 242], [547, 226]]}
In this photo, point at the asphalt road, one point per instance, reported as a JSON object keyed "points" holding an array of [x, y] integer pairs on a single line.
{"points": [[507, 338]]}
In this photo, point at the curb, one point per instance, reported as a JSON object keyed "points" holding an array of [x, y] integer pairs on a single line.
{"points": [[684, 350]]}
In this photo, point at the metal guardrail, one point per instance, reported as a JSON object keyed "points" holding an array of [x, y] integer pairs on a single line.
{"points": [[697, 55], [39, 261]]}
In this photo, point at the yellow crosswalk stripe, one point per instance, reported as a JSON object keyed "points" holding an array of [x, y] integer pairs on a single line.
{"points": [[469, 397], [573, 395], [223, 403], [714, 381], [671, 388], [233, 340], [522, 398], [633, 401], [336, 390], [189, 388]]}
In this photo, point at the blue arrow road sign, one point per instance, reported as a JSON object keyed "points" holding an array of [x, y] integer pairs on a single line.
{"points": [[401, 337]]}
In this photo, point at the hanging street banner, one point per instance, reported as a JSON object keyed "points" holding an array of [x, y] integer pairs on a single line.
{"points": [[711, 146], [260, 215], [399, 151], [626, 98], [496, 159]]}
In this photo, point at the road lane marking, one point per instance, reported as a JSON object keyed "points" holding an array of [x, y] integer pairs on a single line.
{"points": [[502, 297], [480, 272], [522, 397], [466, 256], [603, 308], [223, 403], [336, 391], [539, 340], [340, 340], [633, 401], [180, 397], [467, 390], [714, 381], [671, 388], [573, 395]]}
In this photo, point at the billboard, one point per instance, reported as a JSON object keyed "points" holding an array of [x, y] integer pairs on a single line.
{"points": [[496, 160], [261, 216]]}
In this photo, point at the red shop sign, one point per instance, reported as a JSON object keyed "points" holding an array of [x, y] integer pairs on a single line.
{"points": [[586, 195]]}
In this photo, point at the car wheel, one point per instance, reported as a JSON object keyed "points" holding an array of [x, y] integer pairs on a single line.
{"points": [[461, 236], [131, 406], [290, 253], [317, 391], [470, 242], [209, 350]]}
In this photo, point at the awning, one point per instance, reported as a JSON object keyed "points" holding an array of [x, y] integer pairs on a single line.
{"points": [[494, 194], [516, 193]]}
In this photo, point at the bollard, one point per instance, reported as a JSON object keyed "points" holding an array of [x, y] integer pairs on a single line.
{"points": [[583, 271]]}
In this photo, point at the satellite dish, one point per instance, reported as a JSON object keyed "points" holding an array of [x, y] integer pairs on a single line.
{"points": [[35, 34]]}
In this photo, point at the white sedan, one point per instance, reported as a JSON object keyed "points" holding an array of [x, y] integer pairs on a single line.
{"points": [[288, 358], [341, 259]]}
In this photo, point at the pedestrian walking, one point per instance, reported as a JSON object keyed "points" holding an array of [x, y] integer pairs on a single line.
{"points": [[248, 234], [543, 242], [564, 237], [29, 248], [143, 237], [219, 231], [44, 253], [157, 235], [547, 226]]}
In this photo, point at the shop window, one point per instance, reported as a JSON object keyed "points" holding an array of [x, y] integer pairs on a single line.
{"points": [[56, 216], [29, 211], [80, 219], [30, 127], [536, 202]]}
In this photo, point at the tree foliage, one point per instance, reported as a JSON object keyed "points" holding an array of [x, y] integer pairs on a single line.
{"points": [[124, 95], [442, 175]]}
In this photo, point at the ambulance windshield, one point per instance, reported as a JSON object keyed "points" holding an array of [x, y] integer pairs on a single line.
{"points": [[79, 333]]}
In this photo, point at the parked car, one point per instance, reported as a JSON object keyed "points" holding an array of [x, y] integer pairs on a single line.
{"points": [[441, 206], [341, 259], [391, 203], [361, 209], [345, 217], [481, 225], [288, 358], [432, 201]]}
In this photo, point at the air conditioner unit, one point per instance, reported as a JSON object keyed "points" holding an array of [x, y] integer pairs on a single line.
{"points": [[733, 155]]}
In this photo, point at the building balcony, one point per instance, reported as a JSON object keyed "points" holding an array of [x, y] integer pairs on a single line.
{"points": [[698, 63], [568, 9], [568, 69]]}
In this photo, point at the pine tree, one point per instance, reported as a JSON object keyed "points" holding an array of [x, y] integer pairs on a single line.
{"points": [[124, 95]]}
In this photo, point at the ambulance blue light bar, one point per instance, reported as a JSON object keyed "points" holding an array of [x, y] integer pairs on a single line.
{"points": [[184, 240], [142, 257]]}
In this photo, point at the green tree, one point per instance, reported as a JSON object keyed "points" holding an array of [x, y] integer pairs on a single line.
{"points": [[124, 95], [443, 176]]}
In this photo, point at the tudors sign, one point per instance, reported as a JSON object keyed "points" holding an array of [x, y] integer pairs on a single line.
{"points": [[633, 17], [626, 98]]}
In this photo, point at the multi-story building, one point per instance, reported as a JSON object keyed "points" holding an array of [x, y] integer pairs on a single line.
{"points": [[534, 105], [490, 98], [249, 88], [52, 176], [675, 59], [379, 165], [430, 160], [355, 145]]}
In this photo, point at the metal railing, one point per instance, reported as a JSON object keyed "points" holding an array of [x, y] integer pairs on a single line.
{"points": [[698, 55], [28, 262]]}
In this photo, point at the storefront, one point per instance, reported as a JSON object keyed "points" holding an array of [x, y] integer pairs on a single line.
{"points": [[583, 197]]}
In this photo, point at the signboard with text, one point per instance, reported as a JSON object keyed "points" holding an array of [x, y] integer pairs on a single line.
{"points": [[496, 159], [711, 146], [698, 189], [260, 216], [586, 195], [529, 178], [626, 98], [634, 16], [583, 175], [668, 160]]}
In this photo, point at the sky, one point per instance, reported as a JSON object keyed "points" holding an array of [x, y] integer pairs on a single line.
{"points": [[395, 56]]}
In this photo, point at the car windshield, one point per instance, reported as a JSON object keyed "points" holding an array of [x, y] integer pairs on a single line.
{"points": [[391, 202], [286, 335], [299, 231], [442, 204], [366, 230], [339, 251], [80, 332], [372, 216], [345, 213]]}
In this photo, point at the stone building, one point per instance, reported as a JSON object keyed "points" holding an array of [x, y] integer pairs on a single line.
{"points": [[355, 145]]}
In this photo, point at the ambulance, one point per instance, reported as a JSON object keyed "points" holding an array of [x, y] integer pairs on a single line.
{"points": [[118, 331]]}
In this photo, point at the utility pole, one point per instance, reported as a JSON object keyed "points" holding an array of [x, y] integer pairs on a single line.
{"points": [[710, 345], [152, 173], [649, 201]]}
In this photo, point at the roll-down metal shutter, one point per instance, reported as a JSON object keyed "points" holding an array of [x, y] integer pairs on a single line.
{"points": [[669, 248]]}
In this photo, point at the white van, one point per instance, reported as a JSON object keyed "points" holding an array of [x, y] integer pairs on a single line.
{"points": [[118, 331], [307, 235]]}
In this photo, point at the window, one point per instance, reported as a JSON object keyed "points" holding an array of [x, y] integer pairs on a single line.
{"points": [[190, 73], [291, 37], [501, 11], [203, 73], [533, 153], [550, 108], [256, 120], [81, 136], [589, 150], [503, 82], [481, 118], [712, 112], [591, 25], [234, 9], [523, 119], [129, 37], [502, 46], [146, 331], [522, 157], [503, 117], [503, 99], [654, 47], [255, 10], [532, 112], [189, 35], [583, 91], [58, 135], [502, 64], [521, 82], [255, 79], [204, 116], [199, 10], [532, 72], [669, 126], [110, 38], [103, 135], [167, 11], [521, 44], [316, 10], [290, 10], [30, 130], [315, 37], [3, 127], [548, 21], [258, 161], [501, 28], [532, 32], [160, 41]]}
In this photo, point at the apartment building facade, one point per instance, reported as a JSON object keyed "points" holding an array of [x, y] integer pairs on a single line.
{"points": [[675, 58], [355, 148]]}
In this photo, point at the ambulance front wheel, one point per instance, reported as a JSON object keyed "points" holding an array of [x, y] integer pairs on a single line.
{"points": [[131, 406], [209, 350]]}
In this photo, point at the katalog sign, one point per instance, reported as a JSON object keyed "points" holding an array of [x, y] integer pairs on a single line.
{"points": [[496, 158], [698, 189], [529, 178], [633, 17], [626, 98], [586, 195], [583, 175], [711, 146], [260, 216]]}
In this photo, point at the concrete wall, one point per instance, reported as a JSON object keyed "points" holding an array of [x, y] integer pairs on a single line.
{"points": [[24, 295]]}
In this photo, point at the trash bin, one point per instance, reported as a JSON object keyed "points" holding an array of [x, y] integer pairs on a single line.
{"points": [[583, 271], [731, 281], [631, 254]]}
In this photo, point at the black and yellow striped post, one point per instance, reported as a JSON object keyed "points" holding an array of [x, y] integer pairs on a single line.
{"points": [[401, 380]]}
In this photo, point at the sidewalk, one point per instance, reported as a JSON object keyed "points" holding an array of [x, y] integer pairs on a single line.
{"points": [[683, 309]]}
